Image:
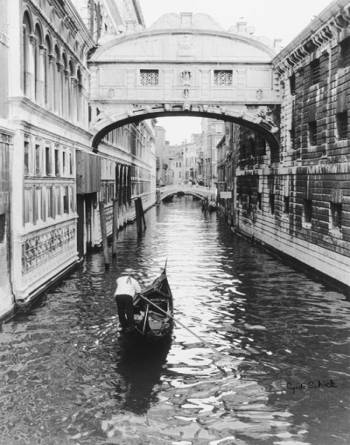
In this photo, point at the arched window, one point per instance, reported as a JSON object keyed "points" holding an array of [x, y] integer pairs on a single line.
{"points": [[57, 81], [64, 86], [48, 81], [26, 61], [72, 92], [79, 104], [38, 65]]}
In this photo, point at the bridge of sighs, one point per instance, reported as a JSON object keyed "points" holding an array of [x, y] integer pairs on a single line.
{"points": [[185, 65]]}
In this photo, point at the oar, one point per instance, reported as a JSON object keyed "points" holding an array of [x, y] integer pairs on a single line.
{"points": [[176, 321]]}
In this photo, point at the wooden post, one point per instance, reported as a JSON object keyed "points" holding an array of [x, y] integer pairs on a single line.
{"points": [[104, 233], [115, 228], [138, 216], [142, 214]]}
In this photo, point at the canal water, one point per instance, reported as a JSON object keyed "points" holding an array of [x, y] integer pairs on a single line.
{"points": [[273, 366]]}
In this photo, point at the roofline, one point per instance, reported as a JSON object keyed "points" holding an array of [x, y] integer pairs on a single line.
{"points": [[158, 32], [320, 20]]}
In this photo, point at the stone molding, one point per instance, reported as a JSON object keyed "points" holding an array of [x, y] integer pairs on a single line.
{"points": [[309, 41]]}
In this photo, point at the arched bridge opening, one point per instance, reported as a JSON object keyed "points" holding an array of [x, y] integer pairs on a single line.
{"points": [[184, 189], [261, 120]]}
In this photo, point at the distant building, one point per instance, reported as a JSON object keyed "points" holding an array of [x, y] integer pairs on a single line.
{"points": [[212, 131]]}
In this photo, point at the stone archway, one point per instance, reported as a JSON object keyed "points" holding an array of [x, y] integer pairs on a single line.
{"points": [[261, 120]]}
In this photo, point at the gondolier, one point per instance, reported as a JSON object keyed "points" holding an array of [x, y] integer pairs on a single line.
{"points": [[125, 293]]}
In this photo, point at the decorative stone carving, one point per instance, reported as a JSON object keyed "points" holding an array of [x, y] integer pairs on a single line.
{"points": [[45, 246]]}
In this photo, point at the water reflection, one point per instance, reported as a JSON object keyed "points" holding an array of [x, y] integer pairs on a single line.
{"points": [[141, 367], [261, 328]]}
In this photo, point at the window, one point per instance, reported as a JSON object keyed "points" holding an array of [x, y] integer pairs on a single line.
{"points": [[149, 77], [37, 160], [336, 215], [57, 163], [26, 158], [2, 227], [286, 207], [71, 199], [315, 72], [47, 161], [307, 210], [312, 133], [342, 125], [186, 76], [292, 85], [344, 56], [50, 203], [58, 209], [63, 164], [222, 78], [259, 199], [65, 200], [272, 203], [28, 206]]}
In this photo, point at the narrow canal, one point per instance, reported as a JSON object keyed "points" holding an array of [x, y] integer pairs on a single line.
{"points": [[273, 368]]}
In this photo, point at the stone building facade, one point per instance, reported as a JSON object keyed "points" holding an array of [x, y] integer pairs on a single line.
{"points": [[298, 200], [54, 212]]}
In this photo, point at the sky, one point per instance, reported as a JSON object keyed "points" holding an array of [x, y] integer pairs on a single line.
{"points": [[275, 19]]}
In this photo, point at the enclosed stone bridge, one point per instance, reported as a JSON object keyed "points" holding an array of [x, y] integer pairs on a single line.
{"points": [[193, 190], [185, 65]]}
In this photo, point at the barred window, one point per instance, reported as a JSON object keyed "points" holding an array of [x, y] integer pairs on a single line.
{"points": [[307, 210], [2, 227], [344, 56], [336, 213], [286, 206], [315, 71], [312, 133], [342, 125], [272, 203], [292, 85], [222, 78], [149, 77]]}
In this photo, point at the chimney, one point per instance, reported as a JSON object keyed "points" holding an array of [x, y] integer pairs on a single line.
{"points": [[186, 19], [277, 44], [241, 25]]}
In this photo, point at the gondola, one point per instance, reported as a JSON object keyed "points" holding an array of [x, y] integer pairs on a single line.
{"points": [[153, 311]]}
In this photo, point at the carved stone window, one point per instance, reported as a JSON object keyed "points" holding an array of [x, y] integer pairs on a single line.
{"points": [[186, 77], [222, 78], [149, 77]]}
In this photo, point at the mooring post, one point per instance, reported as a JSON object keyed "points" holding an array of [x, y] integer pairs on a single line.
{"points": [[115, 228], [138, 216], [142, 214], [104, 233]]}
